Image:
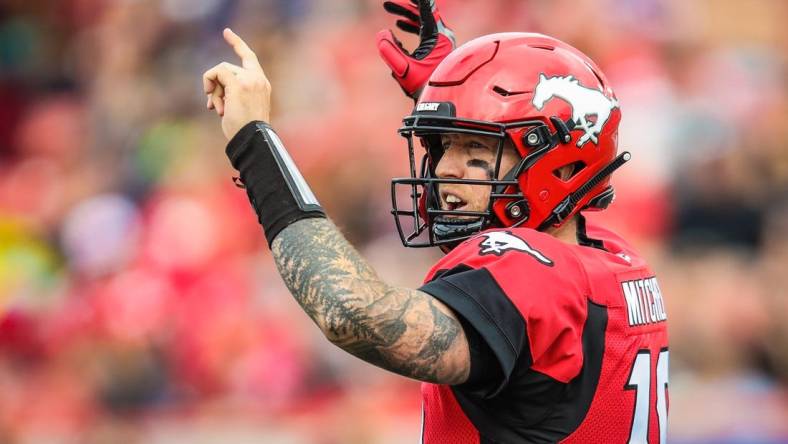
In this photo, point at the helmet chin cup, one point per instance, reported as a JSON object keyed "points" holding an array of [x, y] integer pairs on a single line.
{"points": [[445, 228]]}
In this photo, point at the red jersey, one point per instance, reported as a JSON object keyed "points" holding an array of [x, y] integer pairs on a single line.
{"points": [[576, 336]]}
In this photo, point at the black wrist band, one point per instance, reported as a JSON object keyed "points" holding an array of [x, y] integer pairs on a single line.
{"points": [[276, 189]]}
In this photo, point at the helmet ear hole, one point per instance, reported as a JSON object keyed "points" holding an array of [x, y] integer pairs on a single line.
{"points": [[570, 170]]}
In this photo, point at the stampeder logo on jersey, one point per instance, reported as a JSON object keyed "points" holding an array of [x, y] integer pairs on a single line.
{"points": [[645, 304], [584, 101], [499, 242]]}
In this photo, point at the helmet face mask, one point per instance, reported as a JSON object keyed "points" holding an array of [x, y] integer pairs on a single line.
{"points": [[420, 219], [531, 91]]}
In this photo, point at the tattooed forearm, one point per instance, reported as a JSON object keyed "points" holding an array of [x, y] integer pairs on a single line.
{"points": [[402, 330]]}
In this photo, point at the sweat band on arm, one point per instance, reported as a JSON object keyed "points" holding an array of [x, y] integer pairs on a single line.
{"points": [[276, 189]]}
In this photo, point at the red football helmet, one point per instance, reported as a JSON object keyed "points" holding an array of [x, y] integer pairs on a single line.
{"points": [[547, 98]]}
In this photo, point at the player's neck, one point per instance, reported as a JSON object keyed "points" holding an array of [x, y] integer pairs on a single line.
{"points": [[566, 232]]}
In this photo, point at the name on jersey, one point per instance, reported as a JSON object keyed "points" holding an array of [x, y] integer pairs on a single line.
{"points": [[645, 304]]}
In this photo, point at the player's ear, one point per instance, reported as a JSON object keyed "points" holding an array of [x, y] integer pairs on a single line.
{"points": [[565, 172]]}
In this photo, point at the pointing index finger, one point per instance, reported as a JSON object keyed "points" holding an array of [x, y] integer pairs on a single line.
{"points": [[248, 57]]}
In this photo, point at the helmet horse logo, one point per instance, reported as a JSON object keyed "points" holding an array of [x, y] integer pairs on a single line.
{"points": [[584, 102]]}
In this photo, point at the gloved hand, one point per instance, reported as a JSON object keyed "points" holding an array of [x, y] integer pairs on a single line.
{"points": [[412, 70]]}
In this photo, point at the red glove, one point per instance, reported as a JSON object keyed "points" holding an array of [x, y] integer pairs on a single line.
{"points": [[412, 70]]}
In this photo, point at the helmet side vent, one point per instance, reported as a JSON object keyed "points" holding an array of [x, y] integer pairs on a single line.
{"points": [[542, 46], [577, 167], [507, 93]]}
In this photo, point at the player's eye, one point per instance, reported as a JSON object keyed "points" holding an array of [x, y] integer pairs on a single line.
{"points": [[477, 145]]}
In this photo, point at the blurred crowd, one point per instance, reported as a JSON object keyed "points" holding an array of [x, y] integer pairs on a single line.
{"points": [[138, 299]]}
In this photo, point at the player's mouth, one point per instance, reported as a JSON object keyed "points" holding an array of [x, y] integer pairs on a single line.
{"points": [[452, 202]]}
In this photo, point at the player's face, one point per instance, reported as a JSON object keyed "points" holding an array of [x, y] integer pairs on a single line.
{"points": [[469, 156]]}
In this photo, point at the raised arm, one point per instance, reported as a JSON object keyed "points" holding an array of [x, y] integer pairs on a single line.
{"points": [[402, 330]]}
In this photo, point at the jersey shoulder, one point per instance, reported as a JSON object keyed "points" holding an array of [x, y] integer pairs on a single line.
{"points": [[618, 250], [526, 280], [519, 251]]}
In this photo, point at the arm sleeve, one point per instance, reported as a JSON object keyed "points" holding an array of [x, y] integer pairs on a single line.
{"points": [[486, 374], [495, 328]]}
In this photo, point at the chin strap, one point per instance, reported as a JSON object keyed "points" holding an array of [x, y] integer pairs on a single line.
{"points": [[567, 206]]}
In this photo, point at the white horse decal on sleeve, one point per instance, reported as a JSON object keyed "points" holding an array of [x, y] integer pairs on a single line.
{"points": [[584, 102]]}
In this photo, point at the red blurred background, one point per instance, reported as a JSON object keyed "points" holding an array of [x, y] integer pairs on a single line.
{"points": [[138, 300]]}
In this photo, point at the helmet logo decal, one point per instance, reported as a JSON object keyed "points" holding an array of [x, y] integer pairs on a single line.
{"points": [[584, 101], [499, 242], [428, 106]]}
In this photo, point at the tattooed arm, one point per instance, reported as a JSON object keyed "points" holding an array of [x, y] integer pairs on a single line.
{"points": [[405, 331], [402, 330]]}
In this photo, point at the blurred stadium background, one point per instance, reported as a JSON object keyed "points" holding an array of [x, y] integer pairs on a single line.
{"points": [[139, 301]]}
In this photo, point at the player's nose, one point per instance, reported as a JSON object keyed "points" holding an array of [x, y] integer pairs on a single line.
{"points": [[451, 165]]}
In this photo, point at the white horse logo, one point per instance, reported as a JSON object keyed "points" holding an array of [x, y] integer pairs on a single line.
{"points": [[584, 102], [499, 242]]}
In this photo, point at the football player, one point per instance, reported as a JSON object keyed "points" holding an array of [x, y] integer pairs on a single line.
{"points": [[535, 326]]}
